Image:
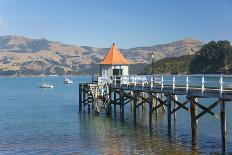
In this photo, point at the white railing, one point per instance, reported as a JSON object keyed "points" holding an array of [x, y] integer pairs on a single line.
{"points": [[220, 83]]}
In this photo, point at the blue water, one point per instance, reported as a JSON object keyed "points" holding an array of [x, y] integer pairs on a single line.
{"points": [[47, 121]]}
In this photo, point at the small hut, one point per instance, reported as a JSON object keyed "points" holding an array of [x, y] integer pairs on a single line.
{"points": [[114, 63]]}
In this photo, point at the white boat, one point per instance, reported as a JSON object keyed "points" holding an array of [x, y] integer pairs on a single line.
{"points": [[53, 75], [68, 81], [46, 85]]}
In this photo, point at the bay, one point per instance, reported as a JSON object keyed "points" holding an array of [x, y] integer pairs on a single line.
{"points": [[47, 121]]}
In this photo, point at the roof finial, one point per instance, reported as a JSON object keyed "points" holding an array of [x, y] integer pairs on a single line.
{"points": [[113, 43]]}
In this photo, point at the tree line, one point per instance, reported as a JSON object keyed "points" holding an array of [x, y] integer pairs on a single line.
{"points": [[213, 58]]}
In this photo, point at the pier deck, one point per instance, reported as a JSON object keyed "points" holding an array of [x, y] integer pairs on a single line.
{"points": [[159, 91]]}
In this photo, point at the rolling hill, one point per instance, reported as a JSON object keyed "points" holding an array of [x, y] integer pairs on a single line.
{"points": [[25, 56]]}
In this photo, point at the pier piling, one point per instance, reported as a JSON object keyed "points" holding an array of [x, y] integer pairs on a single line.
{"points": [[122, 103], [80, 96], [223, 122], [150, 110], [169, 97], [194, 121]]}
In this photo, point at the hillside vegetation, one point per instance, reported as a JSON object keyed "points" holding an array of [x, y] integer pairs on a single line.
{"points": [[212, 58], [175, 65]]}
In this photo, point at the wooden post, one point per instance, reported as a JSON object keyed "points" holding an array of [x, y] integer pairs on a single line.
{"points": [[135, 103], [144, 104], [194, 121], [109, 103], [80, 97], [122, 103], [223, 123], [96, 110], [175, 98], [150, 110], [88, 100], [131, 102], [84, 98], [156, 104], [161, 98], [115, 100], [169, 115]]}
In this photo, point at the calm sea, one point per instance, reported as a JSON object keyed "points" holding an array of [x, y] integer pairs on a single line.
{"points": [[47, 121]]}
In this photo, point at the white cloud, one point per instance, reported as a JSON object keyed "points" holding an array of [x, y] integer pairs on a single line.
{"points": [[3, 23]]}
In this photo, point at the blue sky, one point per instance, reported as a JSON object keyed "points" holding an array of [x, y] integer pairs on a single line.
{"points": [[129, 23]]}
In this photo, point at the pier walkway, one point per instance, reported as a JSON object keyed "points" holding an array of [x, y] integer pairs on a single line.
{"points": [[159, 92]]}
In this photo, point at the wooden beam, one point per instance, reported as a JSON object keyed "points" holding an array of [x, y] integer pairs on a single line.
{"points": [[207, 109], [160, 105], [180, 105], [141, 103], [210, 112], [128, 101]]}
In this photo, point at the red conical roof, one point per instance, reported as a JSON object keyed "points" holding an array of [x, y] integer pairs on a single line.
{"points": [[114, 57]]}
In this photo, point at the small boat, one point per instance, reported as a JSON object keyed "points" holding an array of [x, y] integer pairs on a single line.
{"points": [[68, 81], [46, 85]]}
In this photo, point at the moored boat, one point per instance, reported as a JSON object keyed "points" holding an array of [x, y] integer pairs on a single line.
{"points": [[46, 85], [68, 81]]}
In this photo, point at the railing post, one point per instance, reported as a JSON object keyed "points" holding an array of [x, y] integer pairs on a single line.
{"points": [[151, 82], [127, 81], [162, 83], [115, 80], [187, 84], [134, 80], [142, 81], [173, 83], [121, 80], [202, 84], [221, 86]]}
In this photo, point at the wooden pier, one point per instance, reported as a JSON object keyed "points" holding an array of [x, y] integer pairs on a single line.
{"points": [[159, 92]]}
